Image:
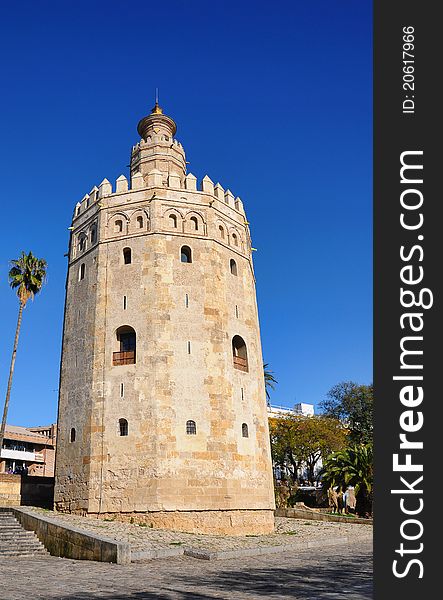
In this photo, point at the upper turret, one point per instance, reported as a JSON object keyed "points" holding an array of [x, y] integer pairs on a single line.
{"points": [[157, 148]]}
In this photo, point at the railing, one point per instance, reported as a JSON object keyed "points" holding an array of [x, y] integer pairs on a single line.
{"points": [[123, 358], [240, 363], [17, 454]]}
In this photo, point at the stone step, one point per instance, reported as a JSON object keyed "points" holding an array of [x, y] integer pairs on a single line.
{"points": [[21, 548], [19, 554], [16, 541]]}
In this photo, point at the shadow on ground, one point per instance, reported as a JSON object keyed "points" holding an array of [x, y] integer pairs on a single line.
{"points": [[329, 579]]}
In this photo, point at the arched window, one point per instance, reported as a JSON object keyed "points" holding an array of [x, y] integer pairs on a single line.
{"points": [[140, 222], [126, 339], [82, 242], [191, 428], [221, 231], [244, 430], [72, 435], [235, 239], [186, 254], [239, 353], [233, 266], [118, 226], [194, 223], [81, 273], [173, 221], [127, 256], [123, 426]]}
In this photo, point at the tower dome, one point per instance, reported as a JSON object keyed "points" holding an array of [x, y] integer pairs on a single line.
{"points": [[156, 122]]}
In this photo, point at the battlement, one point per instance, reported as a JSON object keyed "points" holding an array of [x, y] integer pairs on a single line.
{"points": [[143, 143], [156, 179]]}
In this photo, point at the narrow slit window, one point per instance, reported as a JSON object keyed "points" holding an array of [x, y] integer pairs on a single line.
{"points": [[235, 239], [191, 428], [173, 221], [123, 426], [127, 256], [72, 435], [81, 274], [194, 223], [221, 231], [124, 303], [244, 430], [189, 347], [236, 311], [118, 226], [233, 267], [140, 222], [186, 300], [242, 394], [122, 390]]}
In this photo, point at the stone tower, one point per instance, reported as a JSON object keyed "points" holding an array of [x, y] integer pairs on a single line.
{"points": [[162, 409]]}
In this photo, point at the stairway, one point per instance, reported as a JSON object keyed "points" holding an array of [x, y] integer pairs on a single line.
{"points": [[16, 541]]}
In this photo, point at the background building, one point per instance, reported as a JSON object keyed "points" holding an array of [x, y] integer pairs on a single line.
{"points": [[162, 408], [29, 450]]}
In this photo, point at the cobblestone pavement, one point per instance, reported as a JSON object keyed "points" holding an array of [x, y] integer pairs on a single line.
{"points": [[287, 532], [340, 573]]}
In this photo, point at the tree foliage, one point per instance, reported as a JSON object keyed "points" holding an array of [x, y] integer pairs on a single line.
{"points": [[270, 380], [353, 405], [26, 276], [352, 466], [298, 440]]}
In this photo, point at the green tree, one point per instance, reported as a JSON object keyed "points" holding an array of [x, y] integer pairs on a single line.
{"points": [[27, 276], [353, 405], [352, 466], [298, 440], [270, 381]]}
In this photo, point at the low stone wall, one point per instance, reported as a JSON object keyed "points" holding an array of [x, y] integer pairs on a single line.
{"points": [[69, 542], [10, 486], [313, 515]]}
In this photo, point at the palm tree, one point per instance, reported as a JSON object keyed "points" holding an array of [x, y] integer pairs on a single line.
{"points": [[270, 381], [27, 276], [352, 466]]}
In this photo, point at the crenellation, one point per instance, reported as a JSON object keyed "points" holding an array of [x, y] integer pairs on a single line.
{"points": [[191, 182], [155, 178], [137, 181], [207, 185], [104, 189], [238, 204], [219, 192], [229, 198], [174, 181], [121, 184]]}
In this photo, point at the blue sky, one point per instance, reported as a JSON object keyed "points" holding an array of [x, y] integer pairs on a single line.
{"points": [[272, 100]]}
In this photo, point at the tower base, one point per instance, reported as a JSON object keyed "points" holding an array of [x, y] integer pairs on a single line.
{"points": [[215, 522]]}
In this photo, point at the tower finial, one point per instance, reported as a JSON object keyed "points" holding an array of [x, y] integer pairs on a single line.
{"points": [[157, 110]]}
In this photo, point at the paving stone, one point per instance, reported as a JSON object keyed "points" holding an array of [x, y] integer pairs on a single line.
{"points": [[331, 573]]}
